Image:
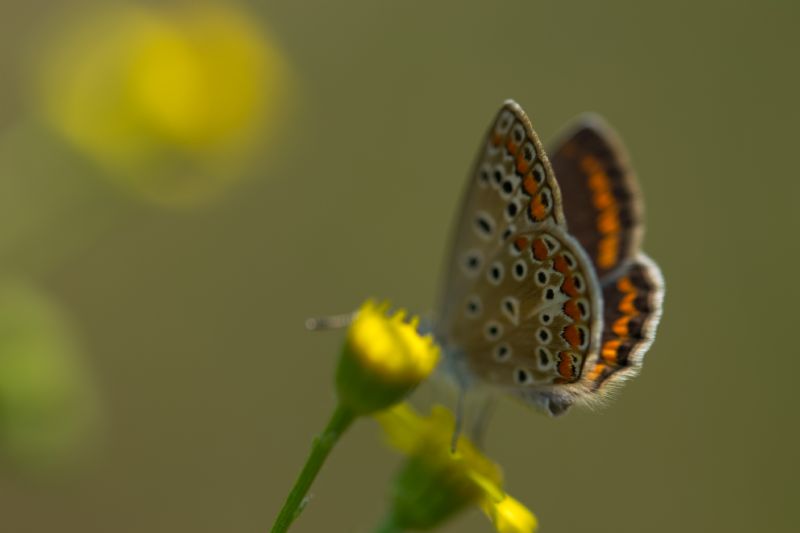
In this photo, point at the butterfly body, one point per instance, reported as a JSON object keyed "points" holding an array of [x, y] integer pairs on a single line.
{"points": [[547, 296]]}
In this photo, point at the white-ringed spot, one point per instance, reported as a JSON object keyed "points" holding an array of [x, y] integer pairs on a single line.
{"points": [[502, 352], [522, 376], [519, 269], [493, 330], [495, 273], [484, 225], [473, 307], [509, 306]]}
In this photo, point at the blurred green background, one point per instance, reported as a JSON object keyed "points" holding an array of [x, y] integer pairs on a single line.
{"points": [[179, 191]]}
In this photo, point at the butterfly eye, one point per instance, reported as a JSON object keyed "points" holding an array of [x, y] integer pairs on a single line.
{"points": [[502, 352]]}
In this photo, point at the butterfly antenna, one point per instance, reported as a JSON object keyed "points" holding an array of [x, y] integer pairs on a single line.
{"points": [[459, 419], [324, 323]]}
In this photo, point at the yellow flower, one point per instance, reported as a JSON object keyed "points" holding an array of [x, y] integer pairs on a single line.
{"points": [[384, 358], [167, 100], [436, 483]]}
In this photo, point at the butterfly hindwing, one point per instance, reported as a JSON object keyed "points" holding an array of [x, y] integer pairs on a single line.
{"points": [[600, 193], [532, 317], [631, 312]]}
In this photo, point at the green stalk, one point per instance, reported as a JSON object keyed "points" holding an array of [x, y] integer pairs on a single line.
{"points": [[341, 420]]}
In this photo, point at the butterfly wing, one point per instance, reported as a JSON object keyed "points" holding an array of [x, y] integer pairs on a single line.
{"points": [[631, 312], [600, 193], [603, 207], [511, 187], [521, 307]]}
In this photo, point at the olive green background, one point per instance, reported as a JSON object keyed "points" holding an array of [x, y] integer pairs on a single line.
{"points": [[191, 320]]}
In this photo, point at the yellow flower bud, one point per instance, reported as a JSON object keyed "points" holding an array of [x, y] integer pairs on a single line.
{"points": [[384, 358]]}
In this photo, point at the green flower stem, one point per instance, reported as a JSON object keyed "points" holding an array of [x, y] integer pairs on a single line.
{"points": [[341, 420]]}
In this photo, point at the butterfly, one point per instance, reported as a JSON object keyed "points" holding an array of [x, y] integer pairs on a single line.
{"points": [[547, 295]]}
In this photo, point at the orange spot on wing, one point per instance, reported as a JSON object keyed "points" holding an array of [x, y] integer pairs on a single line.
{"points": [[598, 182], [560, 264], [520, 243], [620, 326], [529, 185], [565, 366], [608, 221], [603, 200], [626, 304], [625, 285], [590, 164], [497, 139], [511, 146], [610, 349], [539, 250], [569, 287], [607, 251], [522, 165], [571, 310], [538, 210], [572, 335], [595, 372]]}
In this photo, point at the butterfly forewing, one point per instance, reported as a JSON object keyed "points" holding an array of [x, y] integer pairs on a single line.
{"points": [[600, 194], [511, 188]]}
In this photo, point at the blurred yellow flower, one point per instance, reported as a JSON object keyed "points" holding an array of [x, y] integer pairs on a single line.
{"points": [[168, 101], [47, 406], [436, 483], [384, 358]]}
